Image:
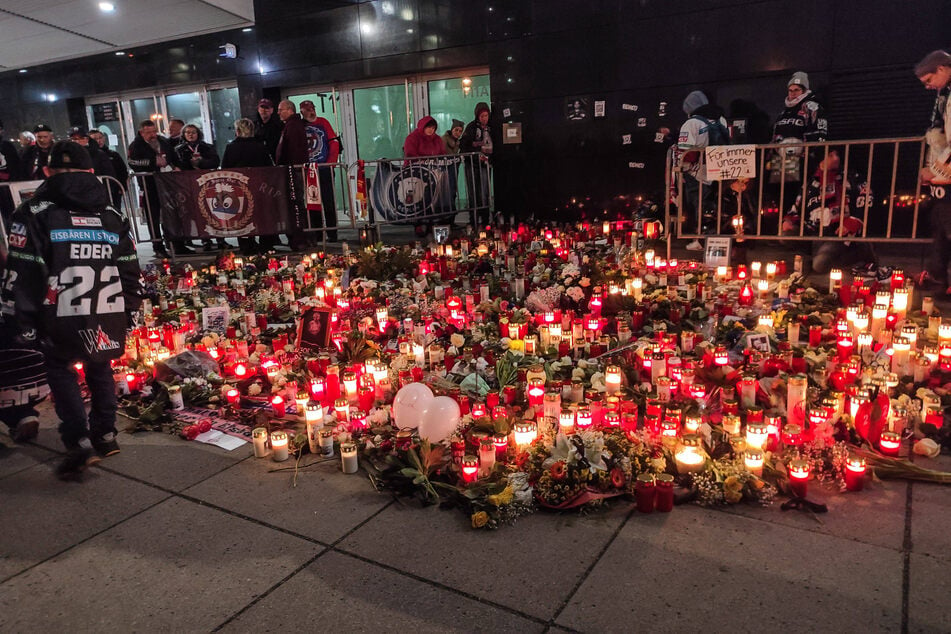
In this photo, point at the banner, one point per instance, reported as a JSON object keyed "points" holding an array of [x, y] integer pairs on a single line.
{"points": [[414, 189], [225, 203]]}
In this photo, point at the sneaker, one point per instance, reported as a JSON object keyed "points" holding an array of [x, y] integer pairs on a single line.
{"points": [[695, 246], [75, 463], [106, 446], [26, 429]]}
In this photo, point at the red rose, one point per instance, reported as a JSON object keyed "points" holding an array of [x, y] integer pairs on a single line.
{"points": [[190, 432]]}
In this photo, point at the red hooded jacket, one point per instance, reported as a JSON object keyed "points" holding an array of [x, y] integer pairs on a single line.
{"points": [[417, 143]]}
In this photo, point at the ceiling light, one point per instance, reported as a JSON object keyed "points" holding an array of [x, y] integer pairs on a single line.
{"points": [[107, 7], [120, 52], [367, 28], [50, 97], [22, 70], [246, 29]]}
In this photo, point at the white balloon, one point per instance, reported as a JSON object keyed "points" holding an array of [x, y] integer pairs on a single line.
{"points": [[440, 419], [410, 404]]}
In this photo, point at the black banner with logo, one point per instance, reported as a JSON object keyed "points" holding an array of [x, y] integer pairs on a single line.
{"points": [[404, 190], [225, 203]]}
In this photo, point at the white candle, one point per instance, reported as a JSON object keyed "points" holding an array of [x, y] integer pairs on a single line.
{"points": [[259, 438], [327, 441], [796, 399], [348, 457], [792, 330], [279, 446], [175, 398], [313, 417]]}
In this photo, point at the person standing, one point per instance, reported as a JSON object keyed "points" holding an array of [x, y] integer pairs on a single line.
{"points": [[705, 126], [934, 73], [803, 120], [175, 127], [246, 151], [423, 141], [323, 146], [118, 165], [152, 153], [27, 140], [268, 127], [74, 280], [100, 161], [195, 154], [291, 151], [37, 156], [451, 136], [478, 138]]}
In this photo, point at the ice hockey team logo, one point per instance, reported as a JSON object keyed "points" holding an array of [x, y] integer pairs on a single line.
{"points": [[226, 203], [407, 192]]}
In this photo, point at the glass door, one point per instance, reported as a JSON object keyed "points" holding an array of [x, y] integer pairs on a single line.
{"points": [[107, 118], [383, 116], [224, 109]]}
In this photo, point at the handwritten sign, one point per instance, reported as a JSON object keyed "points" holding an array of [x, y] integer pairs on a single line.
{"points": [[727, 162]]}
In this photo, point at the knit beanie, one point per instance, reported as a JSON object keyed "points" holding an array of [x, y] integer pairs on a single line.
{"points": [[800, 79], [456, 123], [694, 100]]}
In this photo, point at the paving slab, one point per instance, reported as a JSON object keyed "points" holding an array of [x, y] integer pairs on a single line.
{"points": [[349, 595], [42, 516], [530, 567], [930, 530], [874, 516], [324, 505], [18, 457], [928, 595], [179, 567], [694, 569]]}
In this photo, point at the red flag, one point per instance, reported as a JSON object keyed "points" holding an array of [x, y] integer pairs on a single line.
{"points": [[312, 188]]}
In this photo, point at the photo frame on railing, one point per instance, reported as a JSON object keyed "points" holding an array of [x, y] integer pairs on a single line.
{"points": [[717, 252], [441, 234]]}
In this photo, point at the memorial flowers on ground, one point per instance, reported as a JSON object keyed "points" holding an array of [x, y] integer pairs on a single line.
{"points": [[549, 368]]}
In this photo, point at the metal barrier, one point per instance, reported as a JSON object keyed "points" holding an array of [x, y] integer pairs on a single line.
{"points": [[422, 190], [793, 182]]}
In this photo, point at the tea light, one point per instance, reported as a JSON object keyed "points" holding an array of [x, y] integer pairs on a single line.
{"points": [[799, 477], [854, 473], [753, 460], [756, 435], [259, 439], [279, 451], [348, 457], [470, 469], [689, 457], [889, 443]]}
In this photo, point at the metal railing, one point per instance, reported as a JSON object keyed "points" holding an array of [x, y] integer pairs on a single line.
{"points": [[793, 181], [424, 189]]}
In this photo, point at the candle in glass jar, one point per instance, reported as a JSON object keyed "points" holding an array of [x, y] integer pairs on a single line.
{"points": [[279, 449], [645, 493], [756, 435], [487, 453], [799, 477], [470, 469], [689, 458], [175, 398], [796, 399], [664, 495], [566, 422], [612, 379], [348, 457], [854, 473], [313, 418], [327, 441], [259, 439], [753, 460], [889, 443]]}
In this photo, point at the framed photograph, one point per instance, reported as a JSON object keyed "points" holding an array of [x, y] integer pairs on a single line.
{"points": [[23, 191], [758, 341], [717, 252], [576, 108], [313, 331], [441, 234]]}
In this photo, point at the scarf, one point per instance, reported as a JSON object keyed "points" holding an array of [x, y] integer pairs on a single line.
{"points": [[937, 115], [795, 102]]}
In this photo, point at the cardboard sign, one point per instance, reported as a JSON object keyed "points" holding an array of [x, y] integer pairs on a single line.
{"points": [[729, 162]]}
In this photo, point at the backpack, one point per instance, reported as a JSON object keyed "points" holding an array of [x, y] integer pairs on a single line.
{"points": [[716, 131]]}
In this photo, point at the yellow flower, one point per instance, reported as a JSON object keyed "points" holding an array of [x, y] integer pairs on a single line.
{"points": [[732, 484], [479, 519], [502, 498]]}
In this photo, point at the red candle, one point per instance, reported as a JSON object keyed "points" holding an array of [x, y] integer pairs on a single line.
{"points": [[799, 477], [889, 443], [366, 397], [232, 396], [277, 404], [470, 469], [645, 493], [491, 400], [815, 335], [854, 473], [844, 347]]}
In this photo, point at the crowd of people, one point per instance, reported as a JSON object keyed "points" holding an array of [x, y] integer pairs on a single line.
{"points": [[70, 271]]}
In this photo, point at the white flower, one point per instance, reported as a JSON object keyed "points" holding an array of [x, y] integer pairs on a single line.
{"points": [[597, 382], [505, 342], [254, 389], [575, 293], [585, 282], [577, 373], [582, 364], [481, 364], [927, 447], [457, 340]]}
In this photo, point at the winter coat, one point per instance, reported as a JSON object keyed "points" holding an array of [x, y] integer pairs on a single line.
{"points": [[418, 143], [246, 152], [206, 151], [269, 133], [142, 157], [804, 120], [452, 143], [292, 148], [34, 160], [73, 274], [9, 162]]}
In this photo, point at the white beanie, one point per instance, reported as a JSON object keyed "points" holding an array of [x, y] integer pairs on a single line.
{"points": [[799, 78], [694, 100]]}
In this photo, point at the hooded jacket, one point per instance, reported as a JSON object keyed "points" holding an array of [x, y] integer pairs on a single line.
{"points": [[73, 274], [476, 137], [418, 143]]}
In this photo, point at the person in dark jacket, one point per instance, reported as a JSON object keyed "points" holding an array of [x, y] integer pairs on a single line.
{"points": [[423, 141], [478, 138], [268, 127], [100, 161], [151, 152], [9, 160], [74, 281], [292, 150], [37, 156], [452, 135], [195, 154], [246, 150], [803, 120], [118, 165]]}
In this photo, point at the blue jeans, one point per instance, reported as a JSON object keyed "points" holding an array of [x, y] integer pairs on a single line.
{"points": [[67, 398]]}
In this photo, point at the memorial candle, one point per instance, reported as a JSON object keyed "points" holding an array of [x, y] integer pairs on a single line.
{"points": [[259, 438], [279, 448], [835, 280], [348, 457], [753, 460], [470, 469], [854, 473], [278, 406], [889, 443], [799, 477], [612, 379]]}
